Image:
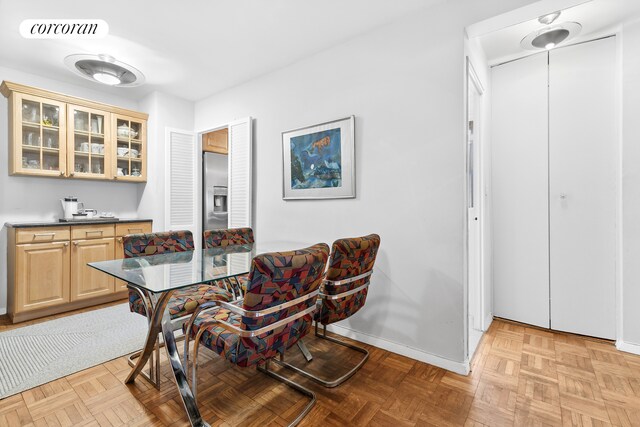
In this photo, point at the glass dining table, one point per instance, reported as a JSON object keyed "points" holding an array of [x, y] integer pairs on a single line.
{"points": [[158, 276]]}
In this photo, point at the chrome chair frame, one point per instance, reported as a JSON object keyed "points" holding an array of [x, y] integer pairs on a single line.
{"points": [[330, 383], [234, 308]]}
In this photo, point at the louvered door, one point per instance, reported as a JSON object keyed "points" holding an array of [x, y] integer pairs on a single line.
{"points": [[240, 166], [181, 181]]}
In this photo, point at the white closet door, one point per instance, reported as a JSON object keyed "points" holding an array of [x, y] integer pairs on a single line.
{"points": [[240, 173], [520, 191], [583, 134], [180, 185]]}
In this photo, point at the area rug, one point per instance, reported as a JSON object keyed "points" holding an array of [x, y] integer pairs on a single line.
{"points": [[40, 353]]}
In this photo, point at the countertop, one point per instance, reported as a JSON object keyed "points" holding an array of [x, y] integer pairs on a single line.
{"points": [[79, 222]]}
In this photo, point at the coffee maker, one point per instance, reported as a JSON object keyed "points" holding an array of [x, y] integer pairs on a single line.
{"points": [[69, 206]]}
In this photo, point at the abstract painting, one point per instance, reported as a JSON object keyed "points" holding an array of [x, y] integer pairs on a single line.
{"points": [[318, 161]]}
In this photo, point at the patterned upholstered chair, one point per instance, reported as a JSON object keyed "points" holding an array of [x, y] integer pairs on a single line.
{"points": [[228, 237], [276, 312], [343, 293], [184, 301]]}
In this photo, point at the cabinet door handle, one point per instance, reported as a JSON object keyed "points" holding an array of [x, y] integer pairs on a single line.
{"points": [[119, 239], [95, 231], [50, 235], [61, 173], [65, 244], [133, 229], [72, 174], [75, 243]]}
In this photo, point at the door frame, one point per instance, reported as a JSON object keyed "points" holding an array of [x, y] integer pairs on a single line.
{"points": [[472, 75]]}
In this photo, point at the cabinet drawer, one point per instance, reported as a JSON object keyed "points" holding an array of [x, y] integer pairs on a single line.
{"points": [[42, 235], [93, 231], [132, 228]]}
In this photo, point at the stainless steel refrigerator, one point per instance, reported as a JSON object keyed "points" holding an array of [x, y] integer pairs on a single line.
{"points": [[215, 170]]}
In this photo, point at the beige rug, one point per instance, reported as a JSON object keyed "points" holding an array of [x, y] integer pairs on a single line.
{"points": [[40, 353]]}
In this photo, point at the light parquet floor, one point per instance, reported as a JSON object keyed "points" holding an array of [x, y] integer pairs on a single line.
{"points": [[521, 376]]}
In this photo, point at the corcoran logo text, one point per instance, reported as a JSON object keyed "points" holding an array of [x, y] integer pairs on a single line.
{"points": [[64, 28]]}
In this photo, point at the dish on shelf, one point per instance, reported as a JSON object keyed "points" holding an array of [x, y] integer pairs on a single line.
{"points": [[97, 148], [125, 131], [134, 153], [122, 151]]}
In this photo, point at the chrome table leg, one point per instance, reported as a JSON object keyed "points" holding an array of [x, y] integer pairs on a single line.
{"points": [[179, 374]]}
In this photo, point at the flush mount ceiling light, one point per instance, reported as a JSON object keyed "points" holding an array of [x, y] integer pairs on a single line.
{"points": [[550, 37], [104, 69]]}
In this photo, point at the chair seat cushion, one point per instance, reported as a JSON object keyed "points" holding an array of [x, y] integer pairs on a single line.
{"points": [[184, 301], [216, 338]]}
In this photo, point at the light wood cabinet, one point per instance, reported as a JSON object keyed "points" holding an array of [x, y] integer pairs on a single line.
{"points": [[130, 150], [38, 128], [87, 282], [48, 271], [89, 142], [57, 135], [42, 275], [216, 141]]}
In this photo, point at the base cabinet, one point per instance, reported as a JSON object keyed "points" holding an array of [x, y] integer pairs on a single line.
{"points": [[87, 282], [48, 271], [42, 275]]}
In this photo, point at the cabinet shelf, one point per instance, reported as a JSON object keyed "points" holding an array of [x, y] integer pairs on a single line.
{"points": [[39, 125]]}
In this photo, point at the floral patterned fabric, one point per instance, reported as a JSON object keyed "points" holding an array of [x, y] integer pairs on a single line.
{"points": [[275, 278], [183, 301], [136, 245], [349, 258], [228, 237]]}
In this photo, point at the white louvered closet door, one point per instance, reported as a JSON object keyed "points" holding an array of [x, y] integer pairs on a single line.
{"points": [[240, 173], [181, 184], [180, 187], [240, 176]]}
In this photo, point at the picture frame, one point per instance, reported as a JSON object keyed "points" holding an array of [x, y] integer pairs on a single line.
{"points": [[318, 161]]}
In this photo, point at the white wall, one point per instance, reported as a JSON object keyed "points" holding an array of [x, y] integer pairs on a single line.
{"points": [[404, 84], [631, 184], [33, 199], [164, 111]]}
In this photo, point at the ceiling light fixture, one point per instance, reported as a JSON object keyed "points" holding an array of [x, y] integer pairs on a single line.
{"points": [[550, 37], [104, 69]]}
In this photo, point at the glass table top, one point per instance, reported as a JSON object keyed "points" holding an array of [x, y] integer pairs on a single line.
{"points": [[160, 273]]}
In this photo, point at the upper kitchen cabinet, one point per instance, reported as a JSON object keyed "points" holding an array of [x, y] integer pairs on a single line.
{"points": [[130, 151], [57, 135], [39, 136], [89, 143]]}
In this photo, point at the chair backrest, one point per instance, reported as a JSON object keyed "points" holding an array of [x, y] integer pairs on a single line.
{"points": [[227, 237], [350, 257], [137, 245], [276, 278]]}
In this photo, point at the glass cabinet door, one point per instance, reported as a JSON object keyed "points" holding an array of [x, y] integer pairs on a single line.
{"points": [[40, 139], [130, 148], [88, 143]]}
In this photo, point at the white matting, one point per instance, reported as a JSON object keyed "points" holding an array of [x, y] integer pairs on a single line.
{"points": [[40, 353]]}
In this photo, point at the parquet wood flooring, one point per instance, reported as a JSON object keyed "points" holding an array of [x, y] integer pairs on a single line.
{"points": [[521, 376]]}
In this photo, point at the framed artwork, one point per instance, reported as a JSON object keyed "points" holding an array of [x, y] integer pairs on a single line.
{"points": [[319, 161]]}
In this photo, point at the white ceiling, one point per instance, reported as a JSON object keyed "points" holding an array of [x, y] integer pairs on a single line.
{"points": [[193, 48], [597, 17]]}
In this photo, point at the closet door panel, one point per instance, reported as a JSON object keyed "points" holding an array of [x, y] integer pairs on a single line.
{"points": [[520, 190], [583, 136]]}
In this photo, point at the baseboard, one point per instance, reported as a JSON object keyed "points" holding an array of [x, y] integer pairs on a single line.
{"points": [[628, 347], [461, 368]]}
